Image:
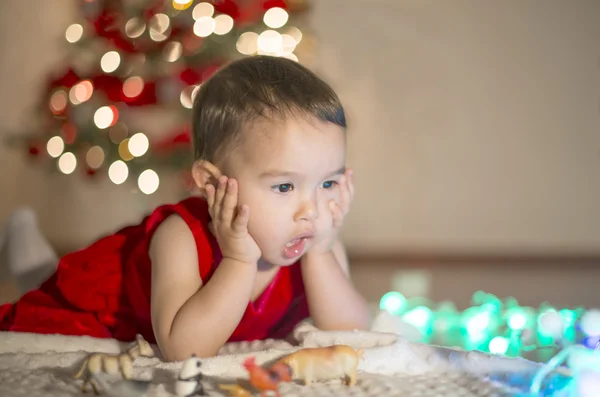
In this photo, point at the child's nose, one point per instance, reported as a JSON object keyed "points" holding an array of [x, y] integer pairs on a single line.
{"points": [[308, 211]]}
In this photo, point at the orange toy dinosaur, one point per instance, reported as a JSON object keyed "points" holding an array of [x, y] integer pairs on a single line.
{"points": [[267, 379]]}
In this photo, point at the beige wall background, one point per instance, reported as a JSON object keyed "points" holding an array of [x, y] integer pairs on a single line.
{"points": [[475, 125]]}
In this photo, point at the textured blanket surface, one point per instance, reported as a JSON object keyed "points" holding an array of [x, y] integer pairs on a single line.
{"points": [[43, 365]]}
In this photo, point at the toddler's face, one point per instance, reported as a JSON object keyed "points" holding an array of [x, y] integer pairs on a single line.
{"points": [[287, 172]]}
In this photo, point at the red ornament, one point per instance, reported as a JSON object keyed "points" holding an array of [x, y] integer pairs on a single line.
{"points": [[190, 76], [267, 4], [90, 172], [33, 150], [228, 7], [109, 85], [180, 139], [68, 132], [68, 80]]}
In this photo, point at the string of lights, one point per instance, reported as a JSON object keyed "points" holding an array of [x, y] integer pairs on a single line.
{"points": [[498, 326]]}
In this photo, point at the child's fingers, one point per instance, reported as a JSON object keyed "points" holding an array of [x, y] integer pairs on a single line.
{"points": [[240, 223], [221, 187], [337, 213], [344, 194], [351, 183], [210, 198], [229, 202]]}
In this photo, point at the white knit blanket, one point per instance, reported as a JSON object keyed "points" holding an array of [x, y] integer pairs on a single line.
{"points": [[43, 365]]}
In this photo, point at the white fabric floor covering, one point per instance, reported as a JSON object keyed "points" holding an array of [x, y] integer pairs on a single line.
{"points": [[43, 365]]}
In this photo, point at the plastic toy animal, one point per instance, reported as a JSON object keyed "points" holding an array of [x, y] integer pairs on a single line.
{"points": [[321, 363], [189, 380], [112, 364], [235, 390], [265, 379]]}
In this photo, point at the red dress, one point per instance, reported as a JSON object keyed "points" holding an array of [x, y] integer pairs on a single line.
{"points": [[104, 290]]}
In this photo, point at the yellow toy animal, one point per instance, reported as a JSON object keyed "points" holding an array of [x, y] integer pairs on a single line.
{"points": [[236, 390], [112, 364], [320, 363]]}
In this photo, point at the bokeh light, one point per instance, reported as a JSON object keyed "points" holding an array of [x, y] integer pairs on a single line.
{"points": [[118, 172], [223, 24], [247, 43], [67, 163], [275, 17], [74, 33], [138, 144], [55, 146], [110, 61], [148, 181], [203, 9], [204, 26]]}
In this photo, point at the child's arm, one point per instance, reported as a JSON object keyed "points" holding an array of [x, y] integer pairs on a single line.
{"points": [[187, 316], [333, 302]]}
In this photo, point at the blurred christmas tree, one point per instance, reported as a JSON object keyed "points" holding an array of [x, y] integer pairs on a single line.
{"points": [[120, 107]]}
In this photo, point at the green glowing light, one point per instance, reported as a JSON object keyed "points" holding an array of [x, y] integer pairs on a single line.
{"points": [[419, 317], [498, 326], [517, 320], [569, 316], [499, 345], [478, 323], [394, 302]]}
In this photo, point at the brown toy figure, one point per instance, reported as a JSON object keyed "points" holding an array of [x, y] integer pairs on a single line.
{"points": [[321, 363], [235, 390], [265, 379], [112, 364]]}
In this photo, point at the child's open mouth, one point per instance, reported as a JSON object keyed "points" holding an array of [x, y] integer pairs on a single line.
{"points": [[294, 248]]}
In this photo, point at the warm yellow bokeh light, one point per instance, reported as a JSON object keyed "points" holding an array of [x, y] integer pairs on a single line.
{"points": [[204, 26], [186, 96], [133, 86], [295, 33], [247, 43], [181, 5], [124, 152], [148, 182], [118, 172], [110, 61], [55, 146], [135, 27], [58, 101], [158, 27], [203, 10], [74, 33], [104, 117], [173, 51], [223, 24], [95, 157], [67, 163], [275, 17], [270, 42], [81, 92], [138, 144], [288, 44]]}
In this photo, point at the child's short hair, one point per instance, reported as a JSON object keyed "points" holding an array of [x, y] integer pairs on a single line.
{"points": [[257, 86]]}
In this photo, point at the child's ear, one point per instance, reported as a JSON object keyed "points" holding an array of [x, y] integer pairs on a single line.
{"points": [[205, 173]]}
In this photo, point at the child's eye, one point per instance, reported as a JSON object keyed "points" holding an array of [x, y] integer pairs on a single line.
{"points": [[329, 184], [283, 187]]}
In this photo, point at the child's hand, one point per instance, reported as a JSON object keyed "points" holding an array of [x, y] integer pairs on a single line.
{"points": [[230, 224], [339, 212]]}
